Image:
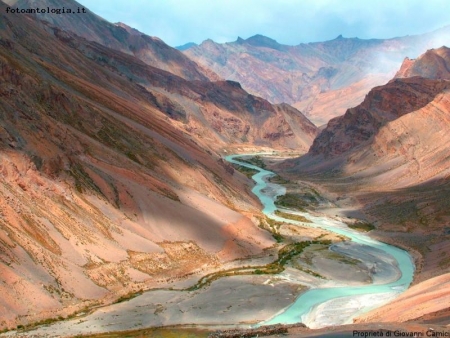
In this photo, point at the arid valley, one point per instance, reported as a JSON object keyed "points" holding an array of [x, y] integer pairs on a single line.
{"points": [[222, 189]]}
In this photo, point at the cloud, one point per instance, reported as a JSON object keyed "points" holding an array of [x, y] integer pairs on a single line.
{"points": [[287, 21]]}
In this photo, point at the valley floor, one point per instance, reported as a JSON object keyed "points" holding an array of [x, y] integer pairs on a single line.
{"points": [[241, 300], [233, 301], [236, 301]]}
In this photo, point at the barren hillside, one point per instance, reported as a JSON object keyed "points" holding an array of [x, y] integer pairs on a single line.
{"points": [[111, 180], [322, 79], [388, 157]]}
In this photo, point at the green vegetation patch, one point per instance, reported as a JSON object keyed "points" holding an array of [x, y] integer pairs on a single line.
{"points": [[278, 179], [285, 254], [342, 258], [292, 217], [361, 226], [273, 227], [291, 201], [298, 201], [162, 332], [279, 238], [129, 296], [246, 171], [255, 160]]}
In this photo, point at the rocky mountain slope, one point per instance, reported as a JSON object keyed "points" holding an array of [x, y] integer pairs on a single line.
{"points": [[151, 50], [434, 64], [390, 155], [321, 79], [252, 120], [385, 106], [111, 180]]}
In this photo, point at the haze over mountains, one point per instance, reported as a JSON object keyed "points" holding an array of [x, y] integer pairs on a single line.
{"points": [[321, 79], [373, 130]]}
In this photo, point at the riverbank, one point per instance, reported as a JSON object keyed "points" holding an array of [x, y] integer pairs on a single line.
{"points": [[242, 301]]}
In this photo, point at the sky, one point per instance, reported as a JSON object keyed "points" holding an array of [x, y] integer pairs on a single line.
{"points": [[288, 21]]}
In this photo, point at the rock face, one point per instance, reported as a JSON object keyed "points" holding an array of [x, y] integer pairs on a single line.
{"points": [[357, 127], [408, 92], [334, 74], [434, 64], [110, 176], [402, 125]]}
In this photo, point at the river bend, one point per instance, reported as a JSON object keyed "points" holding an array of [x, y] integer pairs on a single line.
{"points": [[325, 306]]}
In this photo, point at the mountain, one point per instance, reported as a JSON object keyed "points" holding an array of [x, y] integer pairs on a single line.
{"points": [[249, 126], [151, 50], [387, 159], [434, 64], [186, 46], [383, 104], [111, 178], [416, 85], [321, 79]]}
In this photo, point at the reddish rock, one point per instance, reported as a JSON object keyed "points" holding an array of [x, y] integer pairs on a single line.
{"points": [[383, 104], [434, 64]]}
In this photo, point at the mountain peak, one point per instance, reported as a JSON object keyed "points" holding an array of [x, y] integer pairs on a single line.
{"points": [[208, 42], [130, 30], [186, 46], [259, 40], [433, 64]]}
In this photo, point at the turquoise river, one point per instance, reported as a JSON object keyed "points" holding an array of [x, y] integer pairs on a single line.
{"points": [[313, 298]]}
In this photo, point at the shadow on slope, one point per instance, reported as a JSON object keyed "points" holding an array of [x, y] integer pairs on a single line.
{"points": [[102, 192]]}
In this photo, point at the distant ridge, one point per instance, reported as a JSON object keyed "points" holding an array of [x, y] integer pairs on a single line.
{"points": [[321, 79], [259, 40], [186, 46]]}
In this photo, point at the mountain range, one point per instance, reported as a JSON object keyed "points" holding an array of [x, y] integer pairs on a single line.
{"points": [[322, 79], [111, 146]]}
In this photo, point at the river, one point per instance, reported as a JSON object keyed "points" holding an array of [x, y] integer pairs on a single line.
{"points": [[336, 305], [239, 300]]}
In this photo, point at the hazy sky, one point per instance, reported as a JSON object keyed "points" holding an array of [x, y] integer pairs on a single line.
{"points": [[287, 21]]}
